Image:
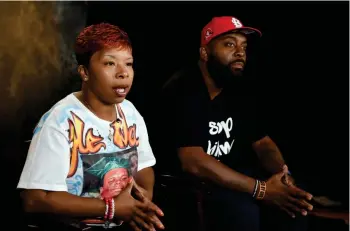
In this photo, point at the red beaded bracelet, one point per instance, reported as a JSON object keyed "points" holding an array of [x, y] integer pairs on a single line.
{"points": [[111, 209], [109, 213], [107, 209]]}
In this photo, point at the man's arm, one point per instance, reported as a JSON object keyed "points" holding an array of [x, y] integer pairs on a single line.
{"points": [[145, 179], [290, 199], [269, 155], [195, 161]]}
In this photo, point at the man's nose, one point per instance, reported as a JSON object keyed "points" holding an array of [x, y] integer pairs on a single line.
{"points": [[240, 52]]}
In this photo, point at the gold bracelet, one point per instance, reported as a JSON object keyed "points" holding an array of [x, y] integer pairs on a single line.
{"points": [[262, 190]]}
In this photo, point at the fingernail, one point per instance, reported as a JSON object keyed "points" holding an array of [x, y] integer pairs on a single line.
{"points": [[311, 207], [304, 213]]}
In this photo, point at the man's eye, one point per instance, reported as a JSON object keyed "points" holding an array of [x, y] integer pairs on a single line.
{"points": [[229, 44]]}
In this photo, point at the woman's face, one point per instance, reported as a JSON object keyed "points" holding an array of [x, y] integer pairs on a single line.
{"points": [[111, 74]]}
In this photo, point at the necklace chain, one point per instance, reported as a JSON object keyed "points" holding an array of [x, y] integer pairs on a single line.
{"points": [[110, 136]]}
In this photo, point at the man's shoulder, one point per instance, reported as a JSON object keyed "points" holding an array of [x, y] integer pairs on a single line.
{"points": [[183, 79]]}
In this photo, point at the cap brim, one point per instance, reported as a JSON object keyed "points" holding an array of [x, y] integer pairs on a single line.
{"points": [[248, 31]]}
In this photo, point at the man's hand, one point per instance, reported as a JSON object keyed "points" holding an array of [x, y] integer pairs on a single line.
{"points": [[289, 198], [288, 180], [135, 212]]}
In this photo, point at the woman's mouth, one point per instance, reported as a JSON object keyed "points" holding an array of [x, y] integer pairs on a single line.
{"points": [[120, 91]]}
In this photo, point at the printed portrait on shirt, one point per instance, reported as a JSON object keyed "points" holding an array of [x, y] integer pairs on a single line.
{"points": [[106, 175], [133, 160]]}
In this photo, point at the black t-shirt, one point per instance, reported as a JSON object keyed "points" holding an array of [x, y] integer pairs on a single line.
{"points": [[224, 127]]}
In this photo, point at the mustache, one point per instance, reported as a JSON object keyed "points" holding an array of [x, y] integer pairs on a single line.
{"points": [[237, 61]]}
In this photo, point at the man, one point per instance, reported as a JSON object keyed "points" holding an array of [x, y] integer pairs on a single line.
{"points": [[214, 126]]}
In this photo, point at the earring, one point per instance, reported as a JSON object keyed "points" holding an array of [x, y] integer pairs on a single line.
{"points": [[85, 79]]}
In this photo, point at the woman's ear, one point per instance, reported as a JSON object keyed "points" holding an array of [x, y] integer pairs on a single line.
{"points": [[83, 72]]}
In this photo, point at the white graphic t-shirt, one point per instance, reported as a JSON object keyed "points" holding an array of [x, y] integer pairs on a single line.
{"points": [[75, 151]]}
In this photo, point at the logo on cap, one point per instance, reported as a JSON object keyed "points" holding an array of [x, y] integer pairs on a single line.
{"points": [[236, 22], [208, 33]]}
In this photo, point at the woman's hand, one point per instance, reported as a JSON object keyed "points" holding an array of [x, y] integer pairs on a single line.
{"points": [[136, 212]]}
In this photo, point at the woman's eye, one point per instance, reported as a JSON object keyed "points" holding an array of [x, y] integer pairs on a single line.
{"points": [[110, 63]]}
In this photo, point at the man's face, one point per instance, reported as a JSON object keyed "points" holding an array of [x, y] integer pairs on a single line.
{"points": [[226, 58]]}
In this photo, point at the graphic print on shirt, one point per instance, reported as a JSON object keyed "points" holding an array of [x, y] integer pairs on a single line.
{"points": [[101, 166], [106, 175], [90, 143], [221, 139]]}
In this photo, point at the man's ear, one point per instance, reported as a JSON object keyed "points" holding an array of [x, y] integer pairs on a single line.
{"points": [[83, 72], [203, 54]]}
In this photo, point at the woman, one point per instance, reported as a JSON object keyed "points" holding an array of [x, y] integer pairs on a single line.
{"points": [[84, 129]]}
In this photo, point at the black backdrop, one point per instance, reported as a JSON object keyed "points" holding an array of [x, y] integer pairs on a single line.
{"points": [[299, 67]]}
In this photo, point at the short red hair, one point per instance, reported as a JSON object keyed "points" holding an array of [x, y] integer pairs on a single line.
{"points": [[96, 37]]}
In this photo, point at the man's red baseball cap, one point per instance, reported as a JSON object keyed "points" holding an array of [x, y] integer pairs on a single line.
{"points": [[224, 24]]}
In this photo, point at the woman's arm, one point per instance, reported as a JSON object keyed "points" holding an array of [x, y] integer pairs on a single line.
{"points": [[145, 179], [43, 179], [61, 203]]}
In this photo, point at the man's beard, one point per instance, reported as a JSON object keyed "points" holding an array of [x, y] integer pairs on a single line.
{"points": [[222, 75]]}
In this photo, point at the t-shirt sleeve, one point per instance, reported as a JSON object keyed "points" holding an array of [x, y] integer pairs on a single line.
{"points": [[187, 127], [47, 161], [145, 153], [184, 121]]}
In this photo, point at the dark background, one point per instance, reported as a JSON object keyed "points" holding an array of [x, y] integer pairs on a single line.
{"points": [[298, 70]]}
